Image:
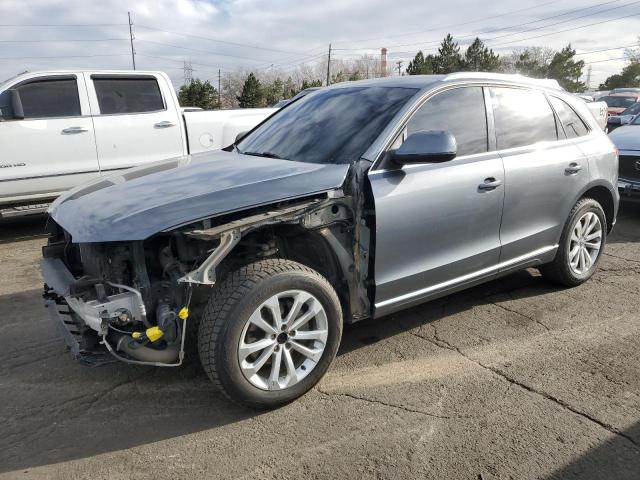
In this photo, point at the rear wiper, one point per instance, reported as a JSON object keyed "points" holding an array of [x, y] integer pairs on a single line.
{"points": [[264, 154]]}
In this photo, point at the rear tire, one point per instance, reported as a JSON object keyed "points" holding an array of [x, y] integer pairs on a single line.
{"points": [[581, 245], [290, 320]]}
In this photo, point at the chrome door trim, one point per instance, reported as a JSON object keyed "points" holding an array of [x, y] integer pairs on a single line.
{"points": [[465, 278]]}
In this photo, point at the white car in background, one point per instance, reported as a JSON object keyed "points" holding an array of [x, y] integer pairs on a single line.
{"points": [[60, 129]]}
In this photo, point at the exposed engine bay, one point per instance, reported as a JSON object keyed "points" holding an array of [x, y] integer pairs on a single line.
{"points": [[137, 299]]}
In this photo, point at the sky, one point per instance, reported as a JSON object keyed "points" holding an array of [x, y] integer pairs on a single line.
{"points": [[282, 34]]}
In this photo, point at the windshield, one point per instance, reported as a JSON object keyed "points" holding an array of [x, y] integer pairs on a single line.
{"points": [[619, 102], [330, 126], [632, 110]]}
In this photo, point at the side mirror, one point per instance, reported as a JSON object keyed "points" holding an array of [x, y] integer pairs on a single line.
{"points": [[240, 136], [16, 105], [433, 146]]}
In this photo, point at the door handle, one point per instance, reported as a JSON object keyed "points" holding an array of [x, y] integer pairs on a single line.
{"points": [[573, 168], [490, 184], [74, 130], [164, 124]]}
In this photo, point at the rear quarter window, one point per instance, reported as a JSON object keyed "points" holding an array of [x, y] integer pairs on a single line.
{"points": [[128, 95], [522, 117], [571, 123]]}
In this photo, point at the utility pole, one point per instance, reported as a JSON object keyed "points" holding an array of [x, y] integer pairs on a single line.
{"points": [[329, 66], [133, 52], [219, 84], [399, 63], [588, 82]]}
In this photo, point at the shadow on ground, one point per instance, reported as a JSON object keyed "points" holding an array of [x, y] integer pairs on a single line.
{"points": [[602, 458]]}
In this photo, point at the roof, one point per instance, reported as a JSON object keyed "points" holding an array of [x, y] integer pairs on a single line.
{"points": [[424, 81]]}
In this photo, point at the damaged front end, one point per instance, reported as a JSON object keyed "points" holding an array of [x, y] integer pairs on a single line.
{"points": [[131, 300], [105, 297]]}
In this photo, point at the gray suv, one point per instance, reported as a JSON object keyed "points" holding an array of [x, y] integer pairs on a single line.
{"points": [[354, 202]]}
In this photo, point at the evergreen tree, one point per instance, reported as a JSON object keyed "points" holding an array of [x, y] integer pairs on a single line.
{"points": [[252, 94], [448, 59], [566, 70], [479, 58], [420, 65], [629, 77], [274, 92], [198, 94]]}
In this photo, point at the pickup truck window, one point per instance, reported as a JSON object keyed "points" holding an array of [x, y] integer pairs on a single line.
{"points": [[50, 98], [572, 123], [335, 125], [128, 95], [460, 111], [523, 117]]}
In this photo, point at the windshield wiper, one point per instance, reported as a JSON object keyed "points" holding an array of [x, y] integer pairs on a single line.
{"points": [[264, 154]]}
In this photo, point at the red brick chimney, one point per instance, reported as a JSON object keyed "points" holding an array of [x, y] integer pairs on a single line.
{"points": [[383, 62]]}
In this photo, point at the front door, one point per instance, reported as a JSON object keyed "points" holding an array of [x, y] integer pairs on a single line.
{"points": [[437, 224], [53, 148]]}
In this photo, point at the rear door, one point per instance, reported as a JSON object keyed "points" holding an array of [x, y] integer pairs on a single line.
{"points": [[544, 172], [438, 224], [134, 122], [53, 148]]}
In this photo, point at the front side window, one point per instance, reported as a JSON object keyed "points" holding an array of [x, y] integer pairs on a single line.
{"points": [[335, 125], [50, 98], [128, 95], [522, 117], [572, 123], [462, 112]]}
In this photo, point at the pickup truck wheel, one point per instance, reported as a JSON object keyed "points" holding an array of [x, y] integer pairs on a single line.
{"points": [[270, 332], [581, 245]]}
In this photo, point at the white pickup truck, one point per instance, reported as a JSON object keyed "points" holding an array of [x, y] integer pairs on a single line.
{"points": [[59, 129]]}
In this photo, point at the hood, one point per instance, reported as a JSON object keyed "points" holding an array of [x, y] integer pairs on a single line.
{"points": [[626, 137], [616, 110], [137, 203]]}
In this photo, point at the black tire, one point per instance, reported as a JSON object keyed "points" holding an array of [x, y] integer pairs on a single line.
{"points": [[228, 309], [559, 270]]}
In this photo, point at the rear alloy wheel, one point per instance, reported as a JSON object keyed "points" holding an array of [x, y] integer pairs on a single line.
{"points": [[585, 243], [581, 245], [270, 332]]}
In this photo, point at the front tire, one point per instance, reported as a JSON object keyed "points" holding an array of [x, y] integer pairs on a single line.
{"points": [[269, 332], [581, 245]]}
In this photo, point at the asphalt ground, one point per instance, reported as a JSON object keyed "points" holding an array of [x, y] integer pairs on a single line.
{"points": [[516, 379]]}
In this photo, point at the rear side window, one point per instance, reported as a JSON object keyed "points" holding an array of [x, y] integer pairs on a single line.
{"points": [[50, 98], [571, 122], [460, 111], [128, 95], [522, 117]]}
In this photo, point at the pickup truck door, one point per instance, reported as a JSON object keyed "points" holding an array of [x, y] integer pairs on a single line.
{"points": [[137, 119], [438, 224], [53, 148]]}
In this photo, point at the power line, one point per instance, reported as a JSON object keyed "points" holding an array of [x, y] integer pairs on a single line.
{"points": [[202, 51], [567, 30], [455, 24], [65, 25], [68, 40], [68, 56], [226, 42], [478, 34]]}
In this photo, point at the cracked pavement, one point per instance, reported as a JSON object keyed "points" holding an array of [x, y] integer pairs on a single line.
{"points": [[516, 378]]}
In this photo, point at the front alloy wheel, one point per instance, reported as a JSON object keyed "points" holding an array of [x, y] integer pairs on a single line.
{"points": [[269, 332], [283, 340]]}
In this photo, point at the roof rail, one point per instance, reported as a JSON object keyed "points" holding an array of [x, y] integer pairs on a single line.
{"points": [[543, 82]]}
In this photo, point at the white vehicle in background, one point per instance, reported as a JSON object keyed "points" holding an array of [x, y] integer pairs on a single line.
{"points": [[59, 129]]}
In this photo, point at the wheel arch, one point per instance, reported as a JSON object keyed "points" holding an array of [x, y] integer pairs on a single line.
{"points": [[602, 193]]}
